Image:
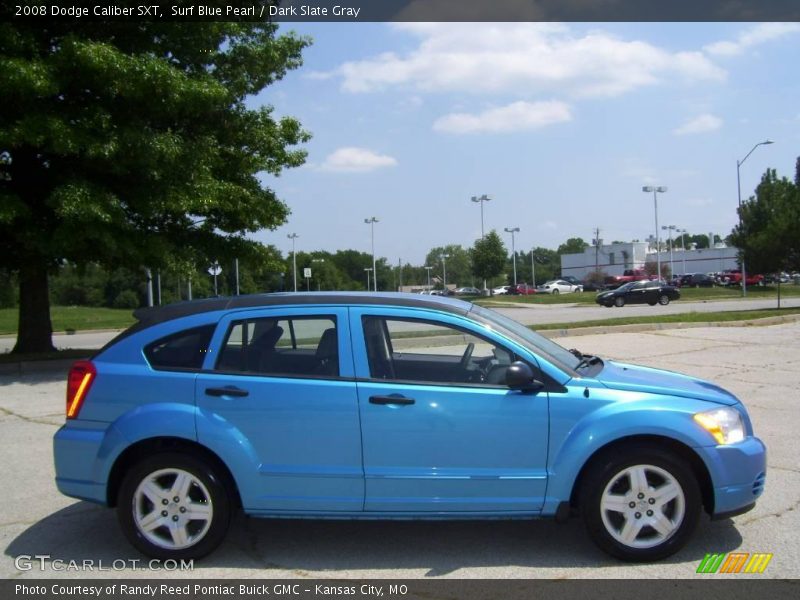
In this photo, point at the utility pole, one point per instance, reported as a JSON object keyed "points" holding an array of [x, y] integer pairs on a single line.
{"points": [[596, 250]]}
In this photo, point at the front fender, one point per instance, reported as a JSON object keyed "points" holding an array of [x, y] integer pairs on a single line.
{"points": [[667, 417]]}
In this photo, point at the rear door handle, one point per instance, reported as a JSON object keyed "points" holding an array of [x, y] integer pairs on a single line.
{"points": [[391, 400], [227, 391]]}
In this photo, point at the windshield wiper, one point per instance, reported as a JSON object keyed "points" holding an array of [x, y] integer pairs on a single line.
{"points": [[587, 360]]}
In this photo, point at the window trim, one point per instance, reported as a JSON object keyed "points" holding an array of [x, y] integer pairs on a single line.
{"points": [[146, 349]]}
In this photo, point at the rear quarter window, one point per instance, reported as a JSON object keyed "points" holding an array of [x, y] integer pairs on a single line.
{"points": [[183, 350]]}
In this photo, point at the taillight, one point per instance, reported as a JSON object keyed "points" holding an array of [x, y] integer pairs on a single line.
{"points": [[79, 380]]}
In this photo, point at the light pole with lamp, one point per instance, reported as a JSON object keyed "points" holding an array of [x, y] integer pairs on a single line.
{"points": [[656, 190], [480, 200], [319, 283], [428, 269], [368, 270], [533, 268], [293, 237], [371, 222], [512, 231], [683, 248], [670, 229], [739, 163], [444, 258]]}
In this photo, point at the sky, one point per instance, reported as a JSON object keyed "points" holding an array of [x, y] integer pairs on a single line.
{"points": [[561, 125]]}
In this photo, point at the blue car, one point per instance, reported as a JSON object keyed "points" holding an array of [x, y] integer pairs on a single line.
{"points": [[391, 406]]}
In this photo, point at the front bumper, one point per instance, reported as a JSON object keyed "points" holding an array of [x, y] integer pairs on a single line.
{"points": [[738, 473]]}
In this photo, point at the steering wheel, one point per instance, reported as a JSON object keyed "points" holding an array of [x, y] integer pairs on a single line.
{"points": [[467, 355]]}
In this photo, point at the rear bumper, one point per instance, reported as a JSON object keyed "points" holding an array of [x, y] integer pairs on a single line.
{"points": [[80, 471]]}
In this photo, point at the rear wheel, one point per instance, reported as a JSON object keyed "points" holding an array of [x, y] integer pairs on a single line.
{"points": [[663, 299], [174, 506], [619, 301], [555, 292], [641, 504]]}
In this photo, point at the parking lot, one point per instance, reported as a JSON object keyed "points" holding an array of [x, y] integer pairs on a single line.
{"points": [[759, 364]]}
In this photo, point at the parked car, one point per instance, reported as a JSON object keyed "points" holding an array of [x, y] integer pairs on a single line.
{"points": [[639, 292], [559, 286], [468, 291], [628, 275], [695, 280], [522, 289], [571, 279], [733, 277], [591, 285], [364, 406], [500, 290]]}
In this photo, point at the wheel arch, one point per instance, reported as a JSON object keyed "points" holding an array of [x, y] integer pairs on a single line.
{"points": [[655, 441], [155, 445]]}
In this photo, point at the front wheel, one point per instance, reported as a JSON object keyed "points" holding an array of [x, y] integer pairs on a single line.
{"points": [[663, 299], [555, 292], [640, 505], [619, 301], [174, 506]]}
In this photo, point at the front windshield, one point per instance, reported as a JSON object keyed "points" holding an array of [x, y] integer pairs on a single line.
{"points": [[518, 332]]}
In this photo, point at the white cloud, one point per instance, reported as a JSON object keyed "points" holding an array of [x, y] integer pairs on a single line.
{"points": [[700, 124], [356, 160], [521, 58], [759, 34], [514, 117]]}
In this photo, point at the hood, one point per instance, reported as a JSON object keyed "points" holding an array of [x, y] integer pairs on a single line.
{"points": [[633, 378]]}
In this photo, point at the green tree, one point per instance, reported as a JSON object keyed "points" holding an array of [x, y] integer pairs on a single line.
{"points": [[769, 234], [457, 264], [134, 146], [489, 256], [572, 246]]}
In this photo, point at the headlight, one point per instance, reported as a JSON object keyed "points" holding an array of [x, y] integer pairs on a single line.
{"points": [[725, 424]]}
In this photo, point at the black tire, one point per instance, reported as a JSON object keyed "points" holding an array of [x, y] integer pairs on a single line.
{"points": [[605, 527], [555, 292], [652, 303], [206, 492], [663, 299], [619, 301]]}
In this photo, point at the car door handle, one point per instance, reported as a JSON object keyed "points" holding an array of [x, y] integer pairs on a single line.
{"points": [[227, 391], [390, 400]]}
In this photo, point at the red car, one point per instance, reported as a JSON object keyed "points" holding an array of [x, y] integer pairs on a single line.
{"points": [[523, 289], [614, 281], [734, 277]]}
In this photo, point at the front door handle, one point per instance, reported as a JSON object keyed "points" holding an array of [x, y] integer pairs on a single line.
{"points": [[391, 400], [227, 391]]}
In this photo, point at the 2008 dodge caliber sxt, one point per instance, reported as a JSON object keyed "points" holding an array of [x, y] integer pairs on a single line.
{"points": [[391, 406]]}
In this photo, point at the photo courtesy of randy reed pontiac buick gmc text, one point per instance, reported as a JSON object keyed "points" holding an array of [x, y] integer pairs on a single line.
{"points": [[391, 406]]}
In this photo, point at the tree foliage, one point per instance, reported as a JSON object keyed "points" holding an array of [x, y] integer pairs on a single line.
{"points": [[457, 264], [574, 245], [489, 256], [769, 234], [133, 146]]}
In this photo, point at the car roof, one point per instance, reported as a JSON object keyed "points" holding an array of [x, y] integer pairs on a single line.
{"points": [[147, 317]]}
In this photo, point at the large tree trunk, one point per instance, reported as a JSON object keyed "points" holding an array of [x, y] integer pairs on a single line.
{"points": [[35, 332]]}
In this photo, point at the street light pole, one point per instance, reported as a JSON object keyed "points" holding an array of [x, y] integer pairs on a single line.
{"points": [[293, 237], [368, 269], [428, 269], [444, 258], [683, 248], [670, 229], [371, 222], [739, 163], [480, 200], [656, 190], [512, 231], [319, 282], [533, 269]]}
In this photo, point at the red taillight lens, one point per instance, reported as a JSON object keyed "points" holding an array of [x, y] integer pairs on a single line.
{"points": [[80, 378]]}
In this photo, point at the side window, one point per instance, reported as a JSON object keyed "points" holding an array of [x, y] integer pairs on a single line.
{"points": [[301, 346], [422, 351], [182, 350]]}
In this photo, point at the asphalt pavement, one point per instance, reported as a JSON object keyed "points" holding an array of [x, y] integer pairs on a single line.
{"points": [[759, 364]]}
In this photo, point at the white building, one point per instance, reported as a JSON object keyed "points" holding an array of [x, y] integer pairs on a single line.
{"points": [[613, 259]]}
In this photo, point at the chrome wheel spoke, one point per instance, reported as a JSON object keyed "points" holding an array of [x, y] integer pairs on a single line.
{"points": [[666, 493], [180, 537], [152, 520], [615, 503], [198, 512], [630, 531], [638, 478], [662, 524], [153, 492], [181, 485]]}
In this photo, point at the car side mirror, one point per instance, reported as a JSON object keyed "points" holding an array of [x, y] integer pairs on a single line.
{"points": [[519, 376]]}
